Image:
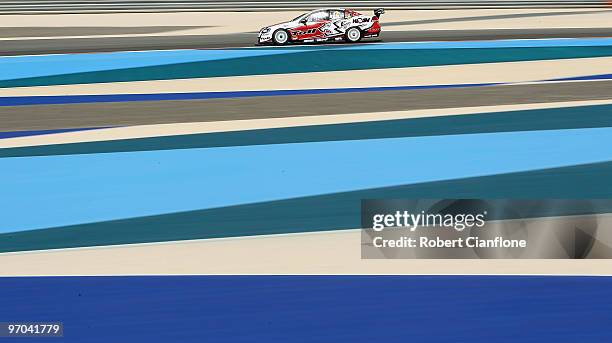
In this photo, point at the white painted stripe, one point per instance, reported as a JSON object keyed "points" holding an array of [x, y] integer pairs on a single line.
{"points": [[321, 253]]}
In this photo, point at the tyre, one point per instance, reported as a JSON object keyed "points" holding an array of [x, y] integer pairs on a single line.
{"points": [[353, 35], [280, 37]]}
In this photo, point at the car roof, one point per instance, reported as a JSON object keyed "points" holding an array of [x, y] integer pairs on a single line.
{"points": [[327, 9], [324, 9]]}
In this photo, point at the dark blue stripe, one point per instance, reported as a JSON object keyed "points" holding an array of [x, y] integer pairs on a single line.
{"points": [[588, 77], [76, 99], [44, 132], [315, 308]]}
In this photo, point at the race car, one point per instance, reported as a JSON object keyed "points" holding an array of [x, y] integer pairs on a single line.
{"points": [[322, 25]]}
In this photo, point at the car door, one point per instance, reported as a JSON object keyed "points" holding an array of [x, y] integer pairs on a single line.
{"points": [[337, 24], [311, 26]]}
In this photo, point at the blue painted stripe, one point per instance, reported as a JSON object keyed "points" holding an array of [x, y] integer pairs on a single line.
{"points": [[529, 309], [14, 134], [15, 67], [503, 43], [73, 189], [586, 78], [76, 99]]}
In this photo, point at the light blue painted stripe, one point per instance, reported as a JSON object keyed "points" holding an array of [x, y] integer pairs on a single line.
{"points": [[14, 67], [39, 192]]}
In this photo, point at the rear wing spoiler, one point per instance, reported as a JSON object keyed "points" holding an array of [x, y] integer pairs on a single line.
{"points": [[379, 11]]}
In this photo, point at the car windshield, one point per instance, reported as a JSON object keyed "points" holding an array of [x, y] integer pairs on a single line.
{"points": [[301, 16]]}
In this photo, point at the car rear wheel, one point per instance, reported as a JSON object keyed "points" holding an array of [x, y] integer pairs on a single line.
{"points": [[280, 37], [353, 35]]}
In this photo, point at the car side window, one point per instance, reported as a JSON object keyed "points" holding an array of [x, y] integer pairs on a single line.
{"points": [[336, 15], [319, 16]]}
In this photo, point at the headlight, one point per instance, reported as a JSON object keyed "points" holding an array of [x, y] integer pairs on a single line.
{"points": [[265, 30]]}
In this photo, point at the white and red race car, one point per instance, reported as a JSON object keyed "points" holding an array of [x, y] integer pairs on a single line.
{"points": [[325, 24]]}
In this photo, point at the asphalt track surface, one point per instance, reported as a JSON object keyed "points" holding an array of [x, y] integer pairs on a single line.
{"points": [[115, 6], [108, 44], [41, 117]]}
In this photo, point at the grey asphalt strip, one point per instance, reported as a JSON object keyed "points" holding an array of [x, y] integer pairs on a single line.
{"points": [[41, 117], [16, 32], [489, 17], [41, 31], [106, 44], [17, 7]]}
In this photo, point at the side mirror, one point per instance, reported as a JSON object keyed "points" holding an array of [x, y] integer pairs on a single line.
{"points": [[303, 21]]}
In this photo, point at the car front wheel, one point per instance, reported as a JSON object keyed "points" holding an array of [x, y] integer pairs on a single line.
{"points": [[353, 35], [280, 37]]}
